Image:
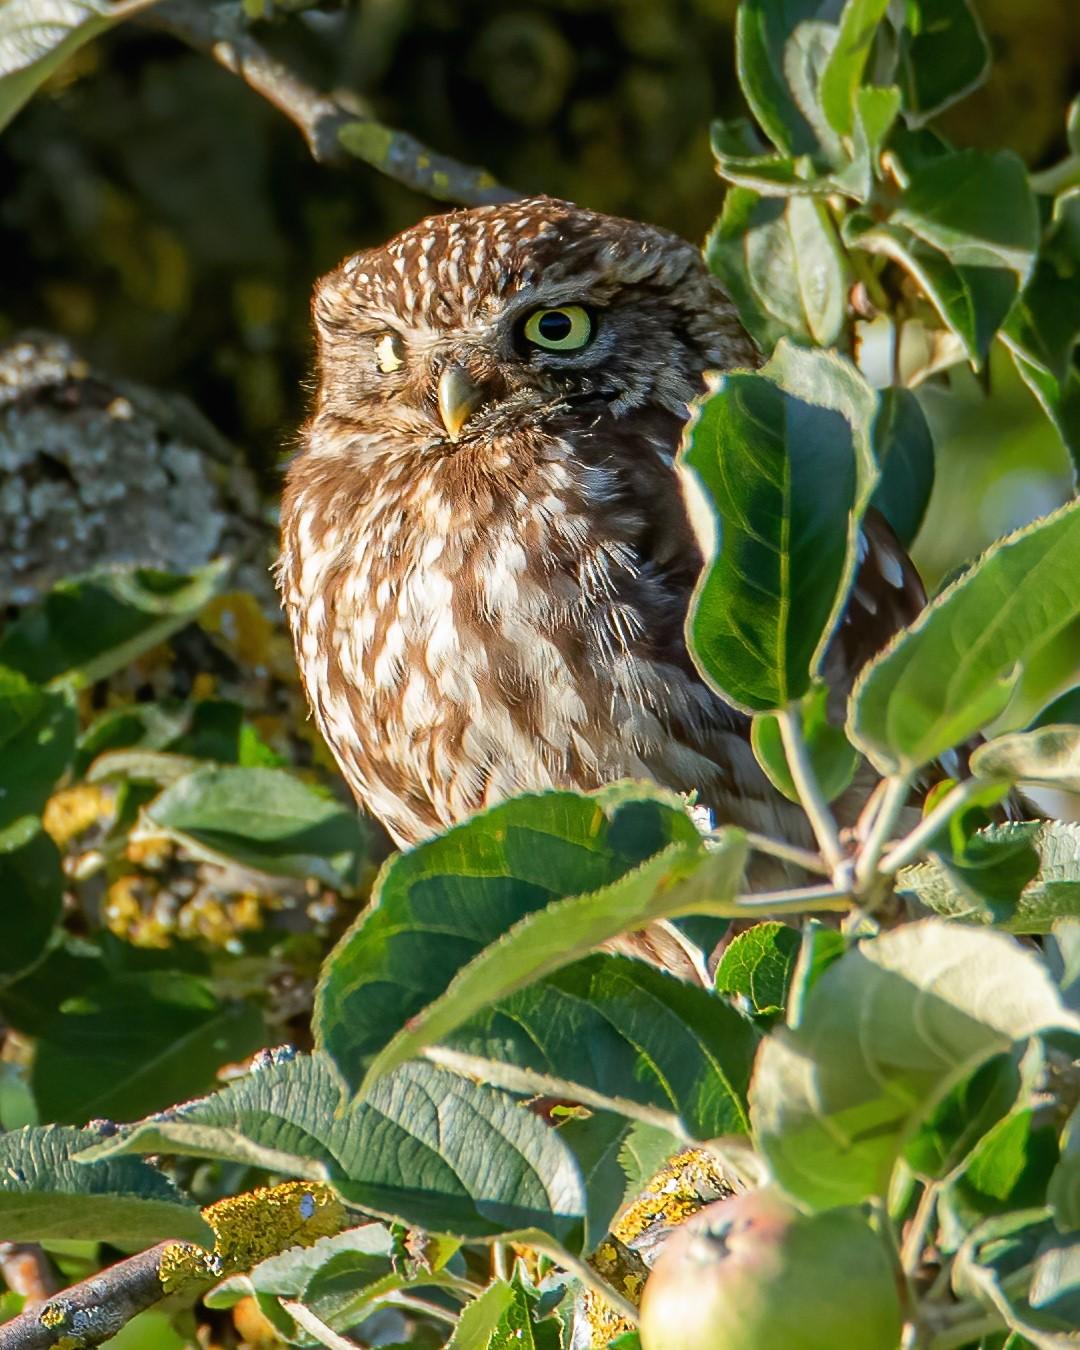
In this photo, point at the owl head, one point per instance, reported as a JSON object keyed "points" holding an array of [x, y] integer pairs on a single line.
{"points": [[472, 325]]}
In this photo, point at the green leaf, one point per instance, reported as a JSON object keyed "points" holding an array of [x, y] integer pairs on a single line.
{"points": [[89, 627], [1032, 901], [613, 1033], [44, 1195], [497, 1320], [963, 1115], [38, 36], [758, 964], [1049, 757], [843, 71], [37, 741], [886, 1031], [763, 31], [31, 895], [832, 755], [944, 55], [904, 447], [136, 1043], [681, 879], [265, 819], [426, 1147], [784, 461], [435, 908], [980, 630]]}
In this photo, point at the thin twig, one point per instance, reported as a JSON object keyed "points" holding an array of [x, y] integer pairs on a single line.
{"points": [[775, 848], [909, 848], [967, 1333], [315, 1326], [810, 793], [914, 1243], [798, 900], [893, 800], [334, 134]]}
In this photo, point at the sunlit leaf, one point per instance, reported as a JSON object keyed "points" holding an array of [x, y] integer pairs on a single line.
{"points": [[44, 1195], [484, 898], [266, 819], [758, 964], [426, 1147], [616, 1032], [885, 1031], [783, 462], [903, 712], [86, 628], [1043, 892], [38, 36]]}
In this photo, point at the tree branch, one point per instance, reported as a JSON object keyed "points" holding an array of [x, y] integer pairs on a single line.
{"points": [[91, 1312], [333, 133]]}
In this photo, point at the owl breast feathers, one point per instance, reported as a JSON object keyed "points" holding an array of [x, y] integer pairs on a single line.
{"points": [[486, 558]]}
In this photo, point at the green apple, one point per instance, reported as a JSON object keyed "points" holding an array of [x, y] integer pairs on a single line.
{"points": [[753, 1273]]}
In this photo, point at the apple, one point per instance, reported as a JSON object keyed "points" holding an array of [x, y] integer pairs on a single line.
{"points": [[754, 1273]]}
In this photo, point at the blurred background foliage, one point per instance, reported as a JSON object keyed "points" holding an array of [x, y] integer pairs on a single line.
{"points": [[171, 222]]}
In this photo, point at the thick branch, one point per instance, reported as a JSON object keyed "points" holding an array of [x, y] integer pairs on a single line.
{"points": [[333, 133], [91, 1312]]}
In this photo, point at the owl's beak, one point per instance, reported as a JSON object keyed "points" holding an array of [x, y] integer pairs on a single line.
{"points": [[458, 397]]}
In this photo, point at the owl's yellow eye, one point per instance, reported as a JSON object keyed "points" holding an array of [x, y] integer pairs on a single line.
{"points": [[389, 353], [565, 329]]}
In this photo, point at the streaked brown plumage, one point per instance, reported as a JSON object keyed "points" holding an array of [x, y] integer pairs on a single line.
{"points": [[486, 559]]}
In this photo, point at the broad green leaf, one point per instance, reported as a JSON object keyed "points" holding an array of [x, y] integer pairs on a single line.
{"points": [[832, 755], [680, 880], [615, 1033], [905, 453], [1048, 889], [944, 55], [435, 908], [843, 72], [88, 627], [37, 741], [763, 32], [31, 895], [1046, 757], [265, 819], [1058, 398], [44, 1195], [426, 1147], [784, 463], [144, 726], [960, 1119], [758, 964], [886, 1031], [750, 250], [38, 36], [137, 1043], [497, 1320], [954, 669]]}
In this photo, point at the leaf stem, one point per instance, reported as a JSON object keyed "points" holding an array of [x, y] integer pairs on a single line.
{"points": [[914, 1243], [796, 901], [964, 1333], [914, 843], [893, 800], [811, 796], [776, 848], [316, 1327]]}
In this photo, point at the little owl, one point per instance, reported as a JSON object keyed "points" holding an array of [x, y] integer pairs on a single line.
{"points": [[486, 556]]}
